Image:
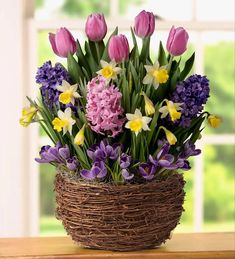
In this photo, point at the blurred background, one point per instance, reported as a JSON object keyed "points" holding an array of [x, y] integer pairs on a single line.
{"points": [[210, 185]]}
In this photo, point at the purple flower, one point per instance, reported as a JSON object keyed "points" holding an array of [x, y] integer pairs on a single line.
{"points": [[127, 175], [72, 163], [102, 151], [49, 78], [189, 149], [193, 93], [147, 170], [124, 161], [98, 170]]}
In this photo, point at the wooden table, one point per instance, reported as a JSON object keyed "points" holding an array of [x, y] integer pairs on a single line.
{"points": [[207, 245]]}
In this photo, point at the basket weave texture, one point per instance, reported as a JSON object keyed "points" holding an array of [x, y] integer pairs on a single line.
{"points": [[119, 217]]}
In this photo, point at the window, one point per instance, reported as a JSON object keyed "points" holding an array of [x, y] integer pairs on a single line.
{"points": [[209, 204]]}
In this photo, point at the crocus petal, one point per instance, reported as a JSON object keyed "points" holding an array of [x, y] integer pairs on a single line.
{"points": [[88, 175]]}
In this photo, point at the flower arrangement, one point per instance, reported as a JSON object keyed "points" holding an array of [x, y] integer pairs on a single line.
{"points": [[114, 114]]}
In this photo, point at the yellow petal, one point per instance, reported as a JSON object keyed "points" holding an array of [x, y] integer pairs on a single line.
{"points": [[28, 114], [171, 138], [214, 121]]}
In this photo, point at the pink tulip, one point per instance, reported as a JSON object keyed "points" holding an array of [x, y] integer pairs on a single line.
{"points": [[118, 48], [62, 42], [144, 24], [177, 41], [96, 27]]}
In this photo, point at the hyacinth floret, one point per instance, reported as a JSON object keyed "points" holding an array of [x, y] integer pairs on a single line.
{"points": [[104, 111], [193, 93]]}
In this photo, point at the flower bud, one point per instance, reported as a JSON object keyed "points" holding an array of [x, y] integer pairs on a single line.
{"points": [[28, 114], [80, 137], [96, 27], [214, 121], [177, 41], [118, 48], [144, 24], [62, 42]]}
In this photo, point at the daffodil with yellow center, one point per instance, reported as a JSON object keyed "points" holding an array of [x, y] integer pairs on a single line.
{"points": [[64, 121], [80, 137], [137, 122], [109, 70], [149, 107], [69, 92], [214, 121], [173, 109], [28, 114], [171, 138], [156, 75]]}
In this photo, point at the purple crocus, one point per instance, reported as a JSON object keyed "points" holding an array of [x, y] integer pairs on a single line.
{"points": [[98, 170], [147, 170], [124, 161], [50, 154], [72, 163], [189, 149], [127, 175]]}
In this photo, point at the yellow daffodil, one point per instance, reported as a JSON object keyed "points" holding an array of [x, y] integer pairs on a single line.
{"points": [[79, 138], [171, 138], [28, 114], [156, 75], [64, 121], [149, 107], [214, 121], [109, 70], [173, 109], [69, 92], [137, 122]]}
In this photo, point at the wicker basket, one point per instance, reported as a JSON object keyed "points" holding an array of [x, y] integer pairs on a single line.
{"points": [[119, 217]]}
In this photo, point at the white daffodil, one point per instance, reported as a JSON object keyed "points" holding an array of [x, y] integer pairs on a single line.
{"points": [[64, 121], [109, 70], [137, 122], [69, 92], [156, 75], [172, 109]]}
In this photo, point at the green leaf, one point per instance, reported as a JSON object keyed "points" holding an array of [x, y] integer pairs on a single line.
{"points": [[144, 55], [162, 55], [74, 69], [90, 59], [105, 55], [82, 59], [174, 79], [187, 67]]}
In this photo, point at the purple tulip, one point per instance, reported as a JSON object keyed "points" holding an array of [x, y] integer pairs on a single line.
{"points": [[144, 24], [127, 175], [72, 163], [118, 48], [177, 41], [147, 170], [96, 27], [98, 170], [62, 42]]}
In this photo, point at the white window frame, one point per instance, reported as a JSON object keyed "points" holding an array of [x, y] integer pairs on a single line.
{"points": [[27, 197]]}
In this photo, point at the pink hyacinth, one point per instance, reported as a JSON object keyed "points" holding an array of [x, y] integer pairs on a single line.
{"points": [[104, 111]]}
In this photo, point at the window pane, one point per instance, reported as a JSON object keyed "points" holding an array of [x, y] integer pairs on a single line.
{"points": [[219, 68], [219, 194]]}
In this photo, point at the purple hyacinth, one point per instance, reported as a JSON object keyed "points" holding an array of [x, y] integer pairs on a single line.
{"points": [[147, 170], [98, 170], [193, 93], [49, 78]]}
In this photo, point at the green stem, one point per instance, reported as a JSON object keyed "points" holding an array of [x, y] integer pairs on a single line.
{"points": [[97, 51], [170, 63]]}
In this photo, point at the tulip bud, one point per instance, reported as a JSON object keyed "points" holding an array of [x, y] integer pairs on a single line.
{"points": [[118, 48], [177, 41], [96, 27], [62, 42], [144, 24]]}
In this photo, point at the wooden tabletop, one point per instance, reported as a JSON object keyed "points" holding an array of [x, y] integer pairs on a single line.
{"points": [[203, 245]]}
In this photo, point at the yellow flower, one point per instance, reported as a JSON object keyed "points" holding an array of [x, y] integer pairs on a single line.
{"points": [[171, 138], [149, 107], [137, 122], [28, 114], [69, 92], [64, 121], [80, 138], [172, 109], [156, 75], [214, 121], [109, 70]]}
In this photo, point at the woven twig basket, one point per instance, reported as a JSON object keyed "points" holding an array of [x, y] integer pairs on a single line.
{"points": [[119, 217]]}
